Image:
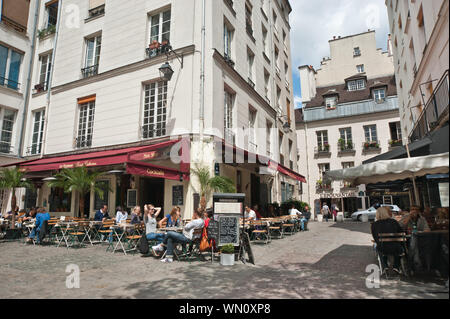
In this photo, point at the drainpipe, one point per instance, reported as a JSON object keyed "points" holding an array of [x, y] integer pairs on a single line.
{"points": [[307, 167], [50, 80], [202, 75], [28, 88]]}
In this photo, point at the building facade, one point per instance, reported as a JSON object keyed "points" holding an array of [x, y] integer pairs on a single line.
{"points": [[349, 114], [100, 99]]}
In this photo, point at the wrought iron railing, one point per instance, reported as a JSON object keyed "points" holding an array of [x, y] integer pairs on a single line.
{"points": [[6, 147], [436, 107], [10, 84], [89, 71], [348, 146], [83, 142], [319, 150], [372, 145], [41, 87], [95, 12]]}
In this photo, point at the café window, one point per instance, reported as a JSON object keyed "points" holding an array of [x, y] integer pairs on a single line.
{"points": [[59, 201], [99, 202]]}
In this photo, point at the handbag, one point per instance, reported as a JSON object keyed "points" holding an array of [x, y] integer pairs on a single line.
{"points": [[204, 243]]}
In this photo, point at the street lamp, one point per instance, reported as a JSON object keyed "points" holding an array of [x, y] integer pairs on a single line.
{"points": [[166, 71], [286, 125]]}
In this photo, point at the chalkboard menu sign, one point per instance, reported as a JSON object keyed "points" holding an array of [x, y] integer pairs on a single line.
{"points": [[177, 195], [229, 230], [213, 229]]}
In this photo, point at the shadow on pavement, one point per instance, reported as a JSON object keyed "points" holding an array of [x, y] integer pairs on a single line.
{"points": [[354, 226]]}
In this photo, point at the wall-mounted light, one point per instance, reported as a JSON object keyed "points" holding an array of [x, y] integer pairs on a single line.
{"points": [[166, 71]]}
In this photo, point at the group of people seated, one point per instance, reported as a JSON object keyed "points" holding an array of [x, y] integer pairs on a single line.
{"points": [[410, 222], [303, 217]]}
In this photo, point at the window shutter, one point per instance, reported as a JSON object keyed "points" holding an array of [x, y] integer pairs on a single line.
{"points": [[17, 11]]}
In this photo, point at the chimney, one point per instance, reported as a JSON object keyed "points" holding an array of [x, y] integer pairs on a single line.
{"points": [[334, 37]]}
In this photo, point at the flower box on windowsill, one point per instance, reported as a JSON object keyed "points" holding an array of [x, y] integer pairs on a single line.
{"points": [[395, 143], [371, 146], [46, 32]]}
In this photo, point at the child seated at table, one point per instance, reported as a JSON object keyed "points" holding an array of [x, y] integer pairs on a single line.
{"points": [[171, 238]]}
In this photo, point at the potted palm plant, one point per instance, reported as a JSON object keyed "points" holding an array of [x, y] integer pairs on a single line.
{"points": [[81, 180], [210, 184], [13, 178], [227, 255]]}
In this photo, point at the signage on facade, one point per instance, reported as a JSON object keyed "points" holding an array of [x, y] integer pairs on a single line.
{"points": [[339, 195]]}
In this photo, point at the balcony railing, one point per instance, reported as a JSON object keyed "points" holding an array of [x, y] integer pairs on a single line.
{"points": [[156, 49], [95, 12], [371, 146], [345, 186], [10, 84], [149, 131], [51, 29], [435, 109], [322, 150], [6, 148], [228, 60], [34, 149], [83, 142], [89, 71], [346, 147], [41, 87], [322, 186]]}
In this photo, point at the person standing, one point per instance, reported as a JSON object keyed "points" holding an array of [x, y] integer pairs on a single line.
{"points": [[326, 211]]}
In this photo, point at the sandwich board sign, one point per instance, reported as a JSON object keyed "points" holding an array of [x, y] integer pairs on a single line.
{"points": [[228, 210]]}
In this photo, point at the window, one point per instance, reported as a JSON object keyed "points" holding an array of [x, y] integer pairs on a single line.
{"points": [[10, 62], [228, 117], [252, 133], [348, 165], [322, 141], [85, 122], [283, 192], [269, 138], [280, 144], [360, 68], [379, 95], [98, 202], [96, 8], [396, 131], [160, 27], [323, 168], [288, 111], [346, 135], [38, 132], [277, 62], [291, 163], [279, 98], [265, 42], [275, 20], [356, 85], [44, 75], [228, 33], [4, 194], [370, 132], [331, 102], [155, 109], [267, 85], [59, 201], [52, 13], [251, 62], [356, 52], [92, 60], [7, 118], [248, 17], [287, 75]]}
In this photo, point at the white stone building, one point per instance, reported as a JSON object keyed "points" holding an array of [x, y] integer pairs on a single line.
{"points": [[349, 114], [105, 103]]}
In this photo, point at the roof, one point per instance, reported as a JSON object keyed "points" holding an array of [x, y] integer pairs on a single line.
{"points": [[346, 96]]}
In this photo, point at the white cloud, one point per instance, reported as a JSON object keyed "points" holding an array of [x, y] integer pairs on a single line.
{"points": [[314, 23]]}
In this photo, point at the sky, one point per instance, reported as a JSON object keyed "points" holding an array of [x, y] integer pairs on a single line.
{"points": [[315, 22]]}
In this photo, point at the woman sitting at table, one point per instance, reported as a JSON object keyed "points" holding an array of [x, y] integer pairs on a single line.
{"points": [[171, 238], [385, 224], [150, 215], [121, 215], [171, 220], [136, 217], [40, 218], [414, 221]]}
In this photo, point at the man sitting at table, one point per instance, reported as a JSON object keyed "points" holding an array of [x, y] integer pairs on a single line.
{"points": [[171, 238], [305, 217], [40, 218], [249, 214], [102, 214]]}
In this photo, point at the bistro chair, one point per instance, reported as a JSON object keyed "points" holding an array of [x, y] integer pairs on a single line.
{"points": [[275, 229], [260, 233], [386, 238], [287, 228], [134, 237]]}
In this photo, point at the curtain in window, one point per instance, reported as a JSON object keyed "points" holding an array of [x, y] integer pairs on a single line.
{"points": [[14, 70]]}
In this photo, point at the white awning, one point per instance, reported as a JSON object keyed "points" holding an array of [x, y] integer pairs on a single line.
{"points": [[392, 170]]}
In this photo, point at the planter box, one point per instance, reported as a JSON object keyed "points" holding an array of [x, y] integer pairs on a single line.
{"points": [[227, 259]]}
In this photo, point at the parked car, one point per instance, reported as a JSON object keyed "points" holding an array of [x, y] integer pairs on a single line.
{"points": [[371, 212]]}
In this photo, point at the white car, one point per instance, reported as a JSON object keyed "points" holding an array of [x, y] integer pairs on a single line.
{"points": [[371, 212]]}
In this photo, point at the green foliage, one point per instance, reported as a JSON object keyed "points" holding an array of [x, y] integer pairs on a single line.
{"points": [[227, 249], [13, 178], [78, 179], [286, 206], [210, 184]]}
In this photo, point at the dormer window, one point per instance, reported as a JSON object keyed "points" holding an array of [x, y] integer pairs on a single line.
{"points": [[331, 102], [356, 85], [379, 95]]}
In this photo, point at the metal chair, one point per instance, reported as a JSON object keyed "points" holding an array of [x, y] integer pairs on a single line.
{"points": [[385, 238]]}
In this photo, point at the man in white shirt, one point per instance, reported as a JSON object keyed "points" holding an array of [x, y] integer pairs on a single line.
{"points": [[326, 211], [249, 213], [172, 237], [295, 213], [120, 215]]}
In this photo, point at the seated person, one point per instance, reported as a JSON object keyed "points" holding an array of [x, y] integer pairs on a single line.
{"points": [[150, 215], [209, 215], [172, 220], [136, 216], [171, 238], [121, 216], [249, 214], [414, 220], [41, 216], [102, 214], [385, 224], [257, 211], [305, 217]]}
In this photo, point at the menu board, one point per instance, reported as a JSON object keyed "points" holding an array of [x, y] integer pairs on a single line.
{"points": [[177, 195], [213, 229], [229, 230]]}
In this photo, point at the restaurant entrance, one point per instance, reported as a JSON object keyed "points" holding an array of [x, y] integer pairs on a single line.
{"points": [[151, 191]]}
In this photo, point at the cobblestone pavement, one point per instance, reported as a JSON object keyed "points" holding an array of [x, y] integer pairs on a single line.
{"points": [[328, 261]]}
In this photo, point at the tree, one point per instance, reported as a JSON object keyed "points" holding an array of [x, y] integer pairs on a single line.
{"points": [[78, 179], [13, 178], [210, 184]]}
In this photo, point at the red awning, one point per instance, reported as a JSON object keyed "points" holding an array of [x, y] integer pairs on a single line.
{"points": [[149, 170]]}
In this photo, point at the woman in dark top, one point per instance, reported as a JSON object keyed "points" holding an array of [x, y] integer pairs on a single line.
{"points": [[385, 224]]}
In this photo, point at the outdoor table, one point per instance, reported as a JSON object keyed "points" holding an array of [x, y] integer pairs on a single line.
{"points": [[125, 228], [168, 229], [92, 233], [432, 248], [65, 226]]}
